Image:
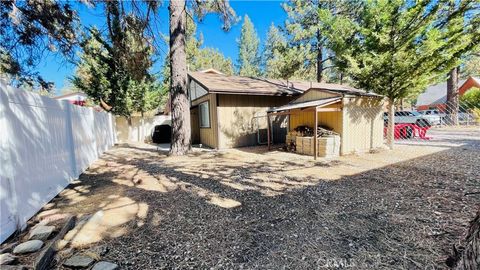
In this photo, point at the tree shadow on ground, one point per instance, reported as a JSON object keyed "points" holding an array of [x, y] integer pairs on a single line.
{"points": [[224, 210]]}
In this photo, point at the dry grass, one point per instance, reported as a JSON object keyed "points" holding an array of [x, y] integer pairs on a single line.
{"points": [[246, 208]]}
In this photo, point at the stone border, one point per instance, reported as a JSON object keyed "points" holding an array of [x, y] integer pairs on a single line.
{"points": [[44, 259]]}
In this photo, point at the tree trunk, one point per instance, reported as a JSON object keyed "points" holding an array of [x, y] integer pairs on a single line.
{"points": [[391, 124], [467, 257], [180, 106], [319, 58], [452, 97]]}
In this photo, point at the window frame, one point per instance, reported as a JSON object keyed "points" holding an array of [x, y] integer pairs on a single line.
{"points": [[207, 102]]}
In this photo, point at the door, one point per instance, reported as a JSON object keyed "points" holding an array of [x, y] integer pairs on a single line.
{"points": [[195, 125]]}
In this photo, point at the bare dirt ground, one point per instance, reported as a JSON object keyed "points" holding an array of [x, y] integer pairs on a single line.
{"points": [[252, 209]]}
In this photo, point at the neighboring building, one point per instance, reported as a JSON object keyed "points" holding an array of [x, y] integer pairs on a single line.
{"points": [[77, 98], [230, 111], [435, 96]]}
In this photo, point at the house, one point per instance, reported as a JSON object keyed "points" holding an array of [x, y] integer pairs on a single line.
{"points": [[77, 98], [435, 96], [231, 111]]}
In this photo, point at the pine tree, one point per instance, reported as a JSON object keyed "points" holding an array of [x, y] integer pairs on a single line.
{"points": [[471, 65], [280, 60], [29, 29], [303, 28], [248, 45], [180, 105], [395, 48], [114, 68], [198, 56], [212, 58], [275, 45]]}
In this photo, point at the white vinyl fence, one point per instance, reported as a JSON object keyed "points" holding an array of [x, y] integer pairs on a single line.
{"points": [[44, 145]]}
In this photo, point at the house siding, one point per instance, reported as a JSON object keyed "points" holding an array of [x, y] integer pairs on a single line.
{"points": [[241, 116], [314, 94], [208, 136], [362, 125]]}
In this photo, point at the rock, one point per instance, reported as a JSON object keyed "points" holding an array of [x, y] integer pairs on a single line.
{"points": [[28, 247], [78, 261], [7, 258], [41, 232], [105, 266], [54, 217], [46, 213]]}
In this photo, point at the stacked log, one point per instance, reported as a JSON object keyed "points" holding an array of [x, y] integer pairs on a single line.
{"points": [[327, 146]]}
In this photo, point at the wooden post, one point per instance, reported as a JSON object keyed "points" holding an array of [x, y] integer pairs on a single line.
{"points": [[315, 141], [268, 130]]}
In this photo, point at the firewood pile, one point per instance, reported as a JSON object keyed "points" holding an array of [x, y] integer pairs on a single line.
{"points": [[306, 131]]}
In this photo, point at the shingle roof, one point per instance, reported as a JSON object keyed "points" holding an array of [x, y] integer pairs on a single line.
{"points": [[435, 94], [220, 83]]}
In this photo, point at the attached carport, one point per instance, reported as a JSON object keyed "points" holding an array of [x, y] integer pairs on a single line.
{"points": [[313, 107]]}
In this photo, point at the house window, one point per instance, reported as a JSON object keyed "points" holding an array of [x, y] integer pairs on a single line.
{"points": [[204, 114]]}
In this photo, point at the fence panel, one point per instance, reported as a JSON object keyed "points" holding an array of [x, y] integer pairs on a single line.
{"points": [[44, 144]]}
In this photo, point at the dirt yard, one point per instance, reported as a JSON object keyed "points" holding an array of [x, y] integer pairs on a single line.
{"points": [[252, 209]]}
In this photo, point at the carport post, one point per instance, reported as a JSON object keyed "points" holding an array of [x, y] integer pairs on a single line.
{"points": [[268, 131], [315, 141]]}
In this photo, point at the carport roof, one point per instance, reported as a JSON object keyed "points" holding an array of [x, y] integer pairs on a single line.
{"points": [[306, 104]]}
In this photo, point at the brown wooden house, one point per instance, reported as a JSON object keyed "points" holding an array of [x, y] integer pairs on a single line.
{"points": [[231, 111]]}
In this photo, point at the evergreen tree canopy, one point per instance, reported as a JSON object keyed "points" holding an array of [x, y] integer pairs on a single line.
{"points": [[248, 58], [114, 68], [198, 57], [280, 60], [211, 58], [397, 47], [471, 65], [304, 30], [28, 29]]}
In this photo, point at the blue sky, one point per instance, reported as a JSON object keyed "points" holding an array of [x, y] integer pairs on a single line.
{"points": [[262, 13]]}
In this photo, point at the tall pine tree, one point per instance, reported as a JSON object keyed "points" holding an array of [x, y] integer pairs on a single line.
{"points": [[180, 105], [395, 48], [280, 60], [303, 28], [29, 29], [248, 46], [114, 67]]}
